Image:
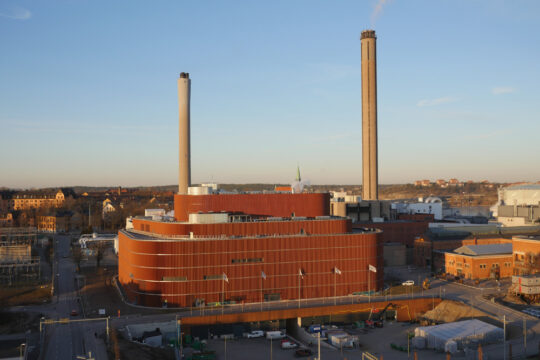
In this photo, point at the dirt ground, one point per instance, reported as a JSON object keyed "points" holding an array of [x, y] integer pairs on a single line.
{"points": [[27, 295], [450, 311], [99, 292]]}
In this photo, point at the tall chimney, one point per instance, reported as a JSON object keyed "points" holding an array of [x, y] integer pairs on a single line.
{"points": [[370, 178], [184, 159]]}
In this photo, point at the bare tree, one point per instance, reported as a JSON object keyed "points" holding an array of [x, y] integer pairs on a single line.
{"points": [[77, 257]]}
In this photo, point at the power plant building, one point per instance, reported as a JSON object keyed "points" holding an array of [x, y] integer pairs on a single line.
{"points": [[243, 247]]}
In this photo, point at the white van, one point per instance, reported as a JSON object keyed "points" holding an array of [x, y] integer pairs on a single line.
{"points": [[275, 335], [255, 334]]}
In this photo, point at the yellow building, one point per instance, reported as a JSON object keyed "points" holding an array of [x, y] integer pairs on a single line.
{"points": [[23, 201], [6, 220], [54, 223]]}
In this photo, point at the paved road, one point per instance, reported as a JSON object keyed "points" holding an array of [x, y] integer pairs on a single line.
{"points": [[67, 341]]}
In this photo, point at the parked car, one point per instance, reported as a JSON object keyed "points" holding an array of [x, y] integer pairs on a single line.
{"points": [[303, 352], [275, 335], [255, 334], [288, 344], [74, 313], [408, 283]]}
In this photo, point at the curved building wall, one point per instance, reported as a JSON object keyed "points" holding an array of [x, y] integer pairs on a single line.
{"points": [[309, 227], [180, 271], [272, 204]]}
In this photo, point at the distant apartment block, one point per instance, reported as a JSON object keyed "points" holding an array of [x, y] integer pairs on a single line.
{"points": [[6, 220], [442, 183], [422, 183], [59, 222], [32, 200]]}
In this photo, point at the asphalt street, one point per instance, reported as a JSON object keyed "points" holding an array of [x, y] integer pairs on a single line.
{"points": [[67, 341]]}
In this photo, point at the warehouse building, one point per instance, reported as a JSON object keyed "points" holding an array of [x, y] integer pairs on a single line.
{"points": [[480, 262], [519, 205]]}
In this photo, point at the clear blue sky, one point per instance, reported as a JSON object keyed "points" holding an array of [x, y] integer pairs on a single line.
{"points": [[88, 90]]}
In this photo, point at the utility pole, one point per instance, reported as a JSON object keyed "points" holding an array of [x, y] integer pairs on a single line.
{"points": [[525, 337], [504, 336], [319, 345], [408, 346], [369, 286]]}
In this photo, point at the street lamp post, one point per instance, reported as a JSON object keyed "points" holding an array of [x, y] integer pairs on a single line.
{"points": [[300, 277], [263, 277], [224, 278], [369, 286], [336, 273], [371, 269]]}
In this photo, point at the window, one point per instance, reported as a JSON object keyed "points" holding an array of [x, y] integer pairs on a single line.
{"points": [[467, 265], [249, 260], [483, 266]]}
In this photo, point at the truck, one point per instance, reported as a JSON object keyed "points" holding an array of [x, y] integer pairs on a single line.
{"points": [[312, 329], [275, 335]]}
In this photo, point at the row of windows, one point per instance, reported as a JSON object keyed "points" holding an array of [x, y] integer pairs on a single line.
{"points": [[248, 260], [174, 278], [482, 266]]}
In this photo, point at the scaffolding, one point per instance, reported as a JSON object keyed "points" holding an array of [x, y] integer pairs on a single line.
{"points": [[17, 265], [18, 236], [19, 270]]}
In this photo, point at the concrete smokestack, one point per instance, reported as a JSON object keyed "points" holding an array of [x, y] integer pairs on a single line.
{"points": [[184, 159], [370, 177]]}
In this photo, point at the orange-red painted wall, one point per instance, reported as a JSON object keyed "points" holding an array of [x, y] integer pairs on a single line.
{"points": [[309, 227], [144, 263], [272, 204], [406, 310]]}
